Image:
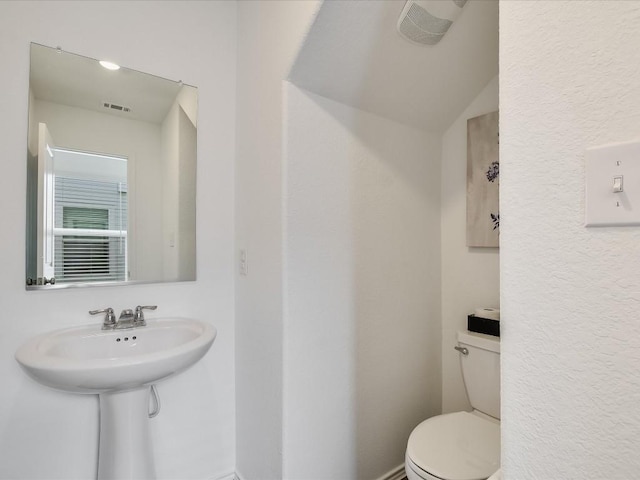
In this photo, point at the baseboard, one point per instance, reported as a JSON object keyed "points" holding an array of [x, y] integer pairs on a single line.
{"points": [[397, 473], [227, 476]]}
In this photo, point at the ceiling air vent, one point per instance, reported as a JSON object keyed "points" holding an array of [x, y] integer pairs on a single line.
{"points": [[426, 21], [116, 107]]}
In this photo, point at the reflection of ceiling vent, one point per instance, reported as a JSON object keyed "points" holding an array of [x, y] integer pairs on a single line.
{"points": [[426, 21], [116, 107]]}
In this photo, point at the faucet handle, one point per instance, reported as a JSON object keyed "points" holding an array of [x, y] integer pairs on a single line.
{"points": [[139, 315], [109, 319]]}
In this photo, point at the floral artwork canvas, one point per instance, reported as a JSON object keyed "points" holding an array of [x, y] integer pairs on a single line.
{"points": [[483, 181]]}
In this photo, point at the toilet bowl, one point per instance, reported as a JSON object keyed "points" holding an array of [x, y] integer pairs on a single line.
{"points": [[463, 445]]}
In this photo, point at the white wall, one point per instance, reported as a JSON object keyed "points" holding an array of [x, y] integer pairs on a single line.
{"points": [[362, 288], [269, 34], [178, 175], [470, 276], [53, 435], [169, 178], [570, 295], [186, 238], [80, 129]]}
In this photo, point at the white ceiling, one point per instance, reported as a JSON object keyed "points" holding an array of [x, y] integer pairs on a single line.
{"points": [[354, 54], [78, 81]]}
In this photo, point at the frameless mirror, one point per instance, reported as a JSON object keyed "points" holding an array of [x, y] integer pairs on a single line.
{"points": [[111, 174]]}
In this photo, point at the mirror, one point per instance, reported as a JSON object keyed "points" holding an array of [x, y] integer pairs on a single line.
{"points": [[111, 174]]}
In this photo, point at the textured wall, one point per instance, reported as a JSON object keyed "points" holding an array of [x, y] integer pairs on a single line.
{"points": [[269, 35], [470, 276], [570, 295], [362, 288], [46, 434]]}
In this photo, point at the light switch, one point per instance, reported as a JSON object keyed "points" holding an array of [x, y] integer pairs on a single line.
{"points": [[612, 188], [617, 184]]}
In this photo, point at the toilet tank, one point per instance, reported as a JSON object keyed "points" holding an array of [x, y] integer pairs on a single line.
{"points": [[481, 371]]}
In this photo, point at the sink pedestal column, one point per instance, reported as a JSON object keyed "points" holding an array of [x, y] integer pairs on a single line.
{"points": [[125, 443]]}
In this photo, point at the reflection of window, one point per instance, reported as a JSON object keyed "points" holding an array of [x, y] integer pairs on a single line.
{"points": [[90, 230], [82, 217], [83, 255]]}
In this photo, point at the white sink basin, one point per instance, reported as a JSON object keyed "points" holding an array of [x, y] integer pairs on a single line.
{"points": [[89, 360]]}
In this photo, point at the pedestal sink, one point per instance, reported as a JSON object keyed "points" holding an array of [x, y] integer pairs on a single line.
{"points": [[119, 366]]}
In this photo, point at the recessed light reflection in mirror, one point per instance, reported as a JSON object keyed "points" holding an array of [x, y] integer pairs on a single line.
{"points": [[109, 65]]}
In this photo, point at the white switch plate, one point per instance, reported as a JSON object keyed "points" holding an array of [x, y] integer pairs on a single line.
{"points": [[604, 207]]}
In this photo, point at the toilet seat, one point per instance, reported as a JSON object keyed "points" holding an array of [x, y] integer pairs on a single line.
{"points": [[456, 446]]}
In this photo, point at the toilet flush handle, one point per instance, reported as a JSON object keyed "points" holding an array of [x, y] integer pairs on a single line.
{"points": [[462, 350]]}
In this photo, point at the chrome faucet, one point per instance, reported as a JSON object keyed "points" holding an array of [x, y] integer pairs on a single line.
{"points": [[127, 319], [109, 322], [138, 317]]}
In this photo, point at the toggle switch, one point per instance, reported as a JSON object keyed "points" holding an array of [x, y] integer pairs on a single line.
{"points": [[612, 185], [617, 184]]}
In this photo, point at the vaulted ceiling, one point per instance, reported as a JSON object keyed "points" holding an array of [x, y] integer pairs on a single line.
{"points": [[354, 54]]}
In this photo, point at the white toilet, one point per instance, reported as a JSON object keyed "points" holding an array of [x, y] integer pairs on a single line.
{"points": [[463, 445]]}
